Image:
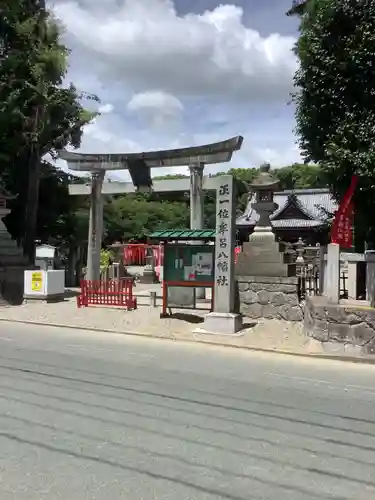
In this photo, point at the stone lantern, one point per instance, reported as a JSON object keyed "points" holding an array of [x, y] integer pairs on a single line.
{"points": [[261, 255], [4, 235], [264, 187], [149, 274], [267, 282], [4, 196]]}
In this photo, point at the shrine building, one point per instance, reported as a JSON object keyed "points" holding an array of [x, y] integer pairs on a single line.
{"points": [[301, 213]]}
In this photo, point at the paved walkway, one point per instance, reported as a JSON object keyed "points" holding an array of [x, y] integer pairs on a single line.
{"points": [[265, 334]]}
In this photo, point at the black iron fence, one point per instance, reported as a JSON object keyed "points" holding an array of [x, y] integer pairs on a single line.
{"points": [[309, 282]]}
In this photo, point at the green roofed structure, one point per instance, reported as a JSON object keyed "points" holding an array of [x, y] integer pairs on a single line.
{"points": [[183, 234]]}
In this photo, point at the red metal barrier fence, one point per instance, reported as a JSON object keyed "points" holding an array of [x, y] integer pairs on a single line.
{"points": [[107, 293]]}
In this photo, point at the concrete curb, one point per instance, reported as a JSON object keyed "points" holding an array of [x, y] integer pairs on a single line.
{"points": [[330, 357]]}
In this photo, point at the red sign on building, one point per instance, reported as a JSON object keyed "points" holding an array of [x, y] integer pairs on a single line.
{"points": [[342, 226]]}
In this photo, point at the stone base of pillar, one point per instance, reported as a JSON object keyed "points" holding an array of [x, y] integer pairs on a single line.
{"points": [[216, 323]]}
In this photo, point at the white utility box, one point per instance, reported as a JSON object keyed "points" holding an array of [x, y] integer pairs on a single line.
{"points": [[44, 285]]}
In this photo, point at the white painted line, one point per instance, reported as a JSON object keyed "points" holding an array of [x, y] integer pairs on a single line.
{"points": [[326, 383]]}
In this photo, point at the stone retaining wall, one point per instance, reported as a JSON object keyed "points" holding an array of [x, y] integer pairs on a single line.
{"points": [[270, 298], [344, 328]]}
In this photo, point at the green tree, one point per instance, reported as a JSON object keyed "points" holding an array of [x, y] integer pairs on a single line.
{"points": [[301, 176], [335, 105], [38, 115], [135, 216]]}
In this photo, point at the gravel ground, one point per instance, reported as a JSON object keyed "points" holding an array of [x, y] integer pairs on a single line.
{"points": [[268, 334]]}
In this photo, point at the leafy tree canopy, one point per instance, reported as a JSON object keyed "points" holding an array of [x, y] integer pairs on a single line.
{"points": [[335, 95], [38, 114]]}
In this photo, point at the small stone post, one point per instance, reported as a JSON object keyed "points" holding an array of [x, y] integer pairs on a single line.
{"points": [[153, 299], [322, 269], [370, 276], [352, 280], [333, 272]]}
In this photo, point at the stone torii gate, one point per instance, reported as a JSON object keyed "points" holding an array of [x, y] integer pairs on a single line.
{"points": [[139, 166]]}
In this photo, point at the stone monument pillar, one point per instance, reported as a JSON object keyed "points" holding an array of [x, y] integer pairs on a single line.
{"points": [[225, 318], [12, 261], [267, 281]]}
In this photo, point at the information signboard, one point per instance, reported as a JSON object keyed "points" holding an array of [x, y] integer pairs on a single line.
{"points": [[187, 263]]}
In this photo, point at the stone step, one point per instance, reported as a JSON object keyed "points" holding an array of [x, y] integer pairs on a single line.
{"points": [[10, 251], [267, 243], [267, 270], [262, 256], [13, 260], [9, 247], [8, 241]]}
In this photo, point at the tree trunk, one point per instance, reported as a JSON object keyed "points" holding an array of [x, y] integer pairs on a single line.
{"points": [[32, 205], [31, 215]]}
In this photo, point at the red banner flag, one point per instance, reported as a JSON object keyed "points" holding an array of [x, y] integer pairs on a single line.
{"points": [[342, 226]]}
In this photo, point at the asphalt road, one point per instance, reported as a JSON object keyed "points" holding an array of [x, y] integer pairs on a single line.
{"points": [[108, 417]]}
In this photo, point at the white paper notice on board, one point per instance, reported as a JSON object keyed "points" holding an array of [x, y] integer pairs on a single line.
{"points": [[203, 264]]}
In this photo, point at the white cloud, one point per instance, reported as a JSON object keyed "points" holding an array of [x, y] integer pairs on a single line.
{"points": [[169, 81], [156, 106], [105, 109], [145, 44], [112, 134]]}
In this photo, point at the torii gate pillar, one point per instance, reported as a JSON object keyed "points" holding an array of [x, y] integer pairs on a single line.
{"points": [[196, 196], [197, 206], [95, 226]]}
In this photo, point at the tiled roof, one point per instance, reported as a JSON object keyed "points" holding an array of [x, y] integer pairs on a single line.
{"points": [[295, 223], [315, 203]]}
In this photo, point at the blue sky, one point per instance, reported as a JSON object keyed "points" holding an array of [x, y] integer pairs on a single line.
{"points": [[174, 73]]}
